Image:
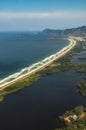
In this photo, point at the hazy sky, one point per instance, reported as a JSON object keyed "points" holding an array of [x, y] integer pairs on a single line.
{"points": [[24, 15]]}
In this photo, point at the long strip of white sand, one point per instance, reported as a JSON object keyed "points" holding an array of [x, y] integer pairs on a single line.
{"points": [[42, 66]]}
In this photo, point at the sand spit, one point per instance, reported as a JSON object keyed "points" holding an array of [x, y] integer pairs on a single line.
{"points": [[39, 66]]}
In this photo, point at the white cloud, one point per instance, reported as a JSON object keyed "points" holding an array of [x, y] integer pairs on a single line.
{"points": [[60, 15], [23, 15]]}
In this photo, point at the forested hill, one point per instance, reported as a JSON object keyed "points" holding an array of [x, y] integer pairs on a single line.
{"points": [[80, 31]]}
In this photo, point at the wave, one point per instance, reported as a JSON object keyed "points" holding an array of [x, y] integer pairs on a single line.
{"points": [[33, 66]]}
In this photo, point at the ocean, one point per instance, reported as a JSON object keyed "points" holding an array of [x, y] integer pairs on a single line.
{"points": [[19, 51]]}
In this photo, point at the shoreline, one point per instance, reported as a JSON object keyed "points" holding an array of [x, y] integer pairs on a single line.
{"points": [[56, 56]]}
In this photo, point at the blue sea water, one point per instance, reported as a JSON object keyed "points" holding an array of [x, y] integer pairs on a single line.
{"points": [[20, 50]]}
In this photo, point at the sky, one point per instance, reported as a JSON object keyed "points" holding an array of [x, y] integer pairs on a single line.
{"points": [[29, 15]]}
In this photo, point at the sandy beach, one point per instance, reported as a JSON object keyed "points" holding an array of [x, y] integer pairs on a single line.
{"points": [[48, 62]]}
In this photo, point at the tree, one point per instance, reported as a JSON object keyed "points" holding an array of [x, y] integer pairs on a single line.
{"points": [[78, 110]]}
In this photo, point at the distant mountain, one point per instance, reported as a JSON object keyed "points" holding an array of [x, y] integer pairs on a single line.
{"points": [[80, 31]]}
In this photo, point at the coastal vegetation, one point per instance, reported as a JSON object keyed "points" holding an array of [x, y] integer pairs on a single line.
{"points": [[82, 87], [74, 119], [19, 85]]}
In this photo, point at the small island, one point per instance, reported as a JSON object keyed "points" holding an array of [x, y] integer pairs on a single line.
{"points": [[74, 119]]}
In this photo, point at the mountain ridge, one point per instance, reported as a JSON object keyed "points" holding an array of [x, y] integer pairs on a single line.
{"points": [[79, 31]]}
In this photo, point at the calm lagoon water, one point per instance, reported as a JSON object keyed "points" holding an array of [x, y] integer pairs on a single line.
{"points": [[38, 107]]}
